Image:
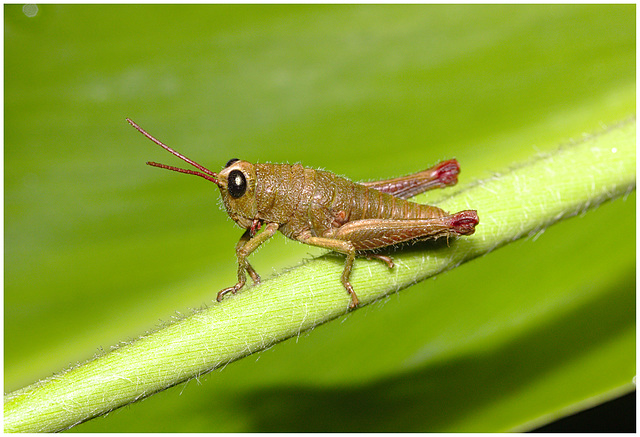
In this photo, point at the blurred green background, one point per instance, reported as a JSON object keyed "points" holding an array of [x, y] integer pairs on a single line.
{"points": [[100, 248]]}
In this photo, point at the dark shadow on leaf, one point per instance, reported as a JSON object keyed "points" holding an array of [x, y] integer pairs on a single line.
{"points": [[438, 396]]}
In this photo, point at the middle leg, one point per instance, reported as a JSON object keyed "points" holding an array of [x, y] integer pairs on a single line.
{"points": [[346, 248]]}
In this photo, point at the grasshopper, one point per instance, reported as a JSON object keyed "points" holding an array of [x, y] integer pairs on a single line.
{"points": [[322, 209]]}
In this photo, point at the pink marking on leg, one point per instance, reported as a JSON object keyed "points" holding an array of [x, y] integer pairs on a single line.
{"points": [[464, 222], [447, 172]]}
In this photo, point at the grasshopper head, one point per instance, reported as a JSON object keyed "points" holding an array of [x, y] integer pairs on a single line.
{"points": [[237, 182]]}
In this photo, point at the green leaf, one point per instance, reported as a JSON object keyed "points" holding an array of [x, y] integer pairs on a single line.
{"points": [[98, 246]]}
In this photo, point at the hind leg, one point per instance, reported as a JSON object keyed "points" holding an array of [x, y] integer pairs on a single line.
{"points": [[371, 234], [441, 175]]}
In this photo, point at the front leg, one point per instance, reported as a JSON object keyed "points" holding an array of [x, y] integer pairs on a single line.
{"points": [[248, 234], [244, 248]]}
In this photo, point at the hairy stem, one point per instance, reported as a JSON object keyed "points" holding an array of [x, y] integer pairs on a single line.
{"points": [[519, 202]]}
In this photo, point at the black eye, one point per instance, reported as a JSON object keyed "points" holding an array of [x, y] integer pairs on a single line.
{"points": [[237, 184], [231, 161]]}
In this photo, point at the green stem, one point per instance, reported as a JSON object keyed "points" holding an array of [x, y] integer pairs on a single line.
{"points": [[519, 202]]}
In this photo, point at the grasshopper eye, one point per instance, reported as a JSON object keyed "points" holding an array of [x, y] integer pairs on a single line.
{"points": [[237, 184], [231, 161]]}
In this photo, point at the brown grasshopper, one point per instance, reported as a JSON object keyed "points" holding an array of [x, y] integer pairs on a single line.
{"points": [[317, 207]]}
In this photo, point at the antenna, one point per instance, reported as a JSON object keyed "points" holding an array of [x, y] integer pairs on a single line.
{"points": [[206, 173]]}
